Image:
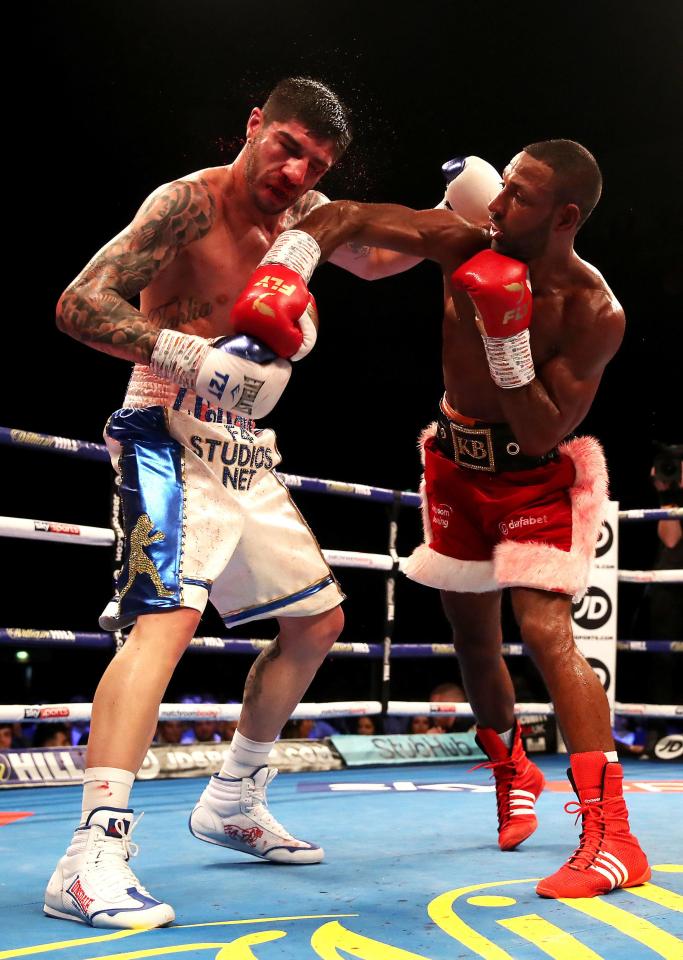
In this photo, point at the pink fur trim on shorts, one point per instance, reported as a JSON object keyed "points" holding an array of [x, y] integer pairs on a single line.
{"points": [[547, 568]]}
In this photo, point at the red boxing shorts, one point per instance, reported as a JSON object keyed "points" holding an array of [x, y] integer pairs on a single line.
{"points": [[519, 528]]}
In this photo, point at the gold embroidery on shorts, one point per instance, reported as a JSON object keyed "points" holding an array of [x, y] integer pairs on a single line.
{"points": [[139, 562]]}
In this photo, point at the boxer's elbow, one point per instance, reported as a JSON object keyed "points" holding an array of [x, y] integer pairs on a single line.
{"points": [[62, 312], [75, 311]]}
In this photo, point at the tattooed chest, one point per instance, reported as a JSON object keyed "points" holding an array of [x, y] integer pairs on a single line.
{"points": [[180, 311], [206, 313]]}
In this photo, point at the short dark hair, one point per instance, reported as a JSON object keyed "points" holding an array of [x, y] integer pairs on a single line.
{"points": [[314, 104], [577, 174]]}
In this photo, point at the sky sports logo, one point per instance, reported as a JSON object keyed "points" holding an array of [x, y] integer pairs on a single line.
{"points": [[518, 523]]}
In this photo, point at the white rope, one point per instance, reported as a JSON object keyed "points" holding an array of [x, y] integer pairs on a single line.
{"points": [[411, 708], [28, 529], [81, 712], [649, 709], [651, 576]]}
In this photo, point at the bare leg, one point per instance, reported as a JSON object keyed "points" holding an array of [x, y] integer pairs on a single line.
{"points": [[475, 619], [126, 704], [580, 701], [282, 673]]}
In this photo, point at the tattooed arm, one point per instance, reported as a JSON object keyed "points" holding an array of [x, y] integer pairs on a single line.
{"points": [[369, 263], [94, 307]]}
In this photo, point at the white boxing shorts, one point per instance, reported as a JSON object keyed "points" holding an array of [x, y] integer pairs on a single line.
{"points": [[205, 517]]}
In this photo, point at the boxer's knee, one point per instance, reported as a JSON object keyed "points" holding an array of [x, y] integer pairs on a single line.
{"points": [[544, 622], [311, 636], [475, 622], [164, 636]]}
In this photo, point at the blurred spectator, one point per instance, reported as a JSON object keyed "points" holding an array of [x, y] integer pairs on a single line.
{"points": [[51, 735], [6, 736], [169, 731], [420, 724], [201, 731], [368, 726], [226, 729], [447, 693], [307, 730]]}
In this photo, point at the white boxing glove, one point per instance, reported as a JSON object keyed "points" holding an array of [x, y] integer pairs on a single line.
{"points": [[472, 183], [233, 373]]}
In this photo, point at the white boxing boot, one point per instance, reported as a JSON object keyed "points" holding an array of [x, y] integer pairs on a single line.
{"points": [[93, 883], [234, 813]]}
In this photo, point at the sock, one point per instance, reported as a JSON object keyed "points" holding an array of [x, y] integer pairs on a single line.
{"points": [[611, 756], [506, 737], [244, 757], [105, 787]]}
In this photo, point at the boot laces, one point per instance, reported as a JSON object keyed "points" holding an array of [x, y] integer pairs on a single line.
{"points": [[256, 805], [592, 830], [110, 856], [502, 772]]}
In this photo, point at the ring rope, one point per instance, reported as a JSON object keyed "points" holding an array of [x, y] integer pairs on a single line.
{"points": [[28, 529], [81, 712], [95, 451], [26, 637]]}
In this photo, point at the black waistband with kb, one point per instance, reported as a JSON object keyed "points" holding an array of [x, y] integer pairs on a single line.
{"points": [[490, 447]]}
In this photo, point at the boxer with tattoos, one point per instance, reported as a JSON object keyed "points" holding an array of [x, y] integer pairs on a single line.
{"points": [[203, 510]]}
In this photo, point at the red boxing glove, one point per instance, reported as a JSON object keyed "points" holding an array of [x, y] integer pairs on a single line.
{"points": [[270, 308], [276, 306], [501, 293]]}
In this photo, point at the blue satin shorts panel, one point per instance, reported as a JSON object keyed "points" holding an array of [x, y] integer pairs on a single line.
{"points": [[152, 495]]}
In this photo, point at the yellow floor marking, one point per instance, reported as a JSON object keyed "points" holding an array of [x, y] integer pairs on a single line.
{"points": [[332, 937], [659, 941], [441, 912], [85, 941], [665, 898], [236, 950], [554, 941], [669, 867], [65, 944], [491, 901], [225, 923]]}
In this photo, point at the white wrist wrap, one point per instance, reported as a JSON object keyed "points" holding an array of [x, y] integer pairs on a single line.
{"points": [[178, 357], [510, 360], [297, 250]]}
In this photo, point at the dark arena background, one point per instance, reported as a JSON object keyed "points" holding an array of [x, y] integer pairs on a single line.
{"points": [[125, 96]]}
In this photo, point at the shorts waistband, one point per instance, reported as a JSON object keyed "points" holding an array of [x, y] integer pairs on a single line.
{"points": [[479, 445]]}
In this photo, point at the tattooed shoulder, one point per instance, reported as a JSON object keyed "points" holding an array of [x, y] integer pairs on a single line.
{"points": [[303, 206], [184, 210]]}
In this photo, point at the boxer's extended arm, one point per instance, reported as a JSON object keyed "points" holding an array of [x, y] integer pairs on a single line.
{"points": [[94, 307], [554, 403], [428, 234], [364, 261]]}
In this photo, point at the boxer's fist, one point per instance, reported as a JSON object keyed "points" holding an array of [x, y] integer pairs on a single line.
{"points": [[500, 290], [233, 373], [276, 306], [271, 307], [240, 374], [471, 184]]}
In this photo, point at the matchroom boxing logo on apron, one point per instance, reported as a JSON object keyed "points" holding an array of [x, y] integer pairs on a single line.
{"points": [[594, 617]]}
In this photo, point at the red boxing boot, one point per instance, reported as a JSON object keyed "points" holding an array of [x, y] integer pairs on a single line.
{"points": [[519, 783], [608, 856]]}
